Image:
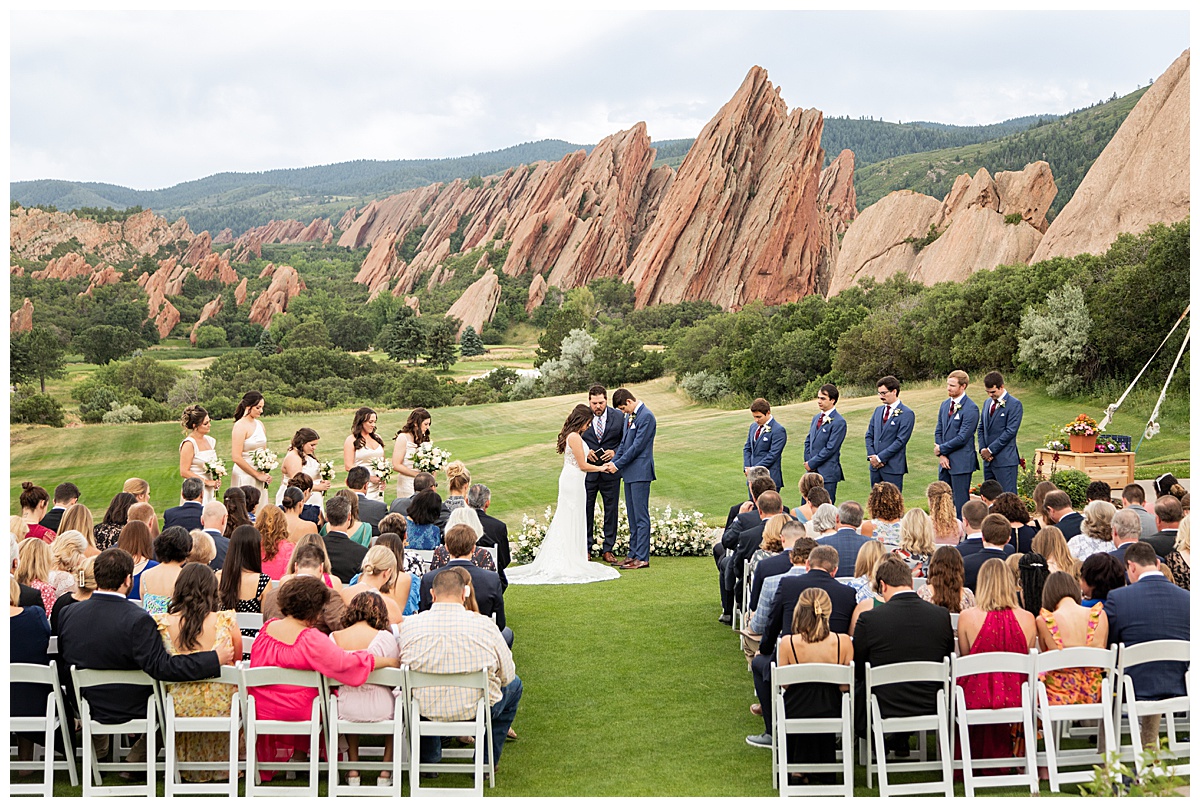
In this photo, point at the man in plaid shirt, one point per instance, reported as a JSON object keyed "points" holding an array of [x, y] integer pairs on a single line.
{"points": [[450, 639]]}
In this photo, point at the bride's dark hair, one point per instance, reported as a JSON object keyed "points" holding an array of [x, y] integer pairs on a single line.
{"points": [[579, 417]]}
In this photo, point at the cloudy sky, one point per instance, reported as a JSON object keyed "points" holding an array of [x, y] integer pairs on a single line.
{"points": [[148, 99]]}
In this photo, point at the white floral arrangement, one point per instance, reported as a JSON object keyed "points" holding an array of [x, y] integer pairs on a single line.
{"points": [[380, 467], [263, 459], [215, 469], [673, 532], [325, 471], [430, 459]]}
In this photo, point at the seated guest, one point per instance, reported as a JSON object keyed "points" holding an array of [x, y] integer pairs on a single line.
{"points": [[459, 480], [1168, 512], [768, 506], [356, 530], [398, 525], [138, 488], [108, 632], [973, 514], [1062, 514], [754, 472], [171, 547], [1147, 610], [873, 597], [998, 624], [916, 541], [886, 506], [904, 628], [235, 505], [1133, 497], [294, 643], [34, 501], [79, 518], [115, 517], [797, 557], [293, 506], [1099, 574], [745, 515], [380, 573], [808, 482], [495, 531], [1126, 531], [772, 541], [944, 585], [479, 556], [29, 596], [369, 510], [847, 540], [996, 532], [422, 481], [824, 520], [1179, 559], [1051, 545], [28, 640], [1039, 519], [144, 512], [326, 573], [947, 529], [35, 569], [187, 515], [367, 628], [309, 561], [394, 542], [989, 491], [1011, 507], [254, 500], [345, 555], [460, 541], [1098, 491], [1063, 623], [85, 584], [865, 561], [135, 539], [1033, 571], [203, 548], [782, 563], [1096, 533], [276, 548], [215, 519], [1168, 485], [447, 638], [67, 554], [817, 500], [749, 518], [195, 624], [241, 583], [423, 512], [311, 498], [65, 496]]}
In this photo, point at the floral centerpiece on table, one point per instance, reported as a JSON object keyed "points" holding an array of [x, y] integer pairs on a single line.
{"points": [[215, 469], [325, 471], [430, 459], [264, 459], [673, 532], [380, 467], [1082, 426]]}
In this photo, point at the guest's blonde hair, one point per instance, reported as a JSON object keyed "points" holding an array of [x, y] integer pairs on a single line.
{"points": [[869, 554], [380, 559], [458, 476], [304, 540], [67, 550], [85, 578], [468, 517], [33, 561], [772, 540], [1051, 545], [916, 532], [1097, 520], [18, 527], [1183, 539], [14, 592], [994, 587], [138, 487], [204, 550], [941, 508], [79, 517]]}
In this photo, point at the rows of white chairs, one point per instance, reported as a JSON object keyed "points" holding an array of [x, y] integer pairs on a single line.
{"points": [[324, 725], [1116, 714]]}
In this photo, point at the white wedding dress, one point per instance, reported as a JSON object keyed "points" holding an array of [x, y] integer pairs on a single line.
{"points": [[563, 555]]}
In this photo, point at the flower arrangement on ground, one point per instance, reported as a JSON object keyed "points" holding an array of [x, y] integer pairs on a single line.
{"points": [[673, 532], [430, 459], [263, 459], [215, 469], [325, 472], [380, 467]]}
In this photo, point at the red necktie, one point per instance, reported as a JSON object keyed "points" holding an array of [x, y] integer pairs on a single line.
{"points": [[952, 409], [887, 412], [992, 411], [821, 421], [758, 432]]}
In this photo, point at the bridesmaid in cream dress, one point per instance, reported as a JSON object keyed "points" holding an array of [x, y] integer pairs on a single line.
{"points": [[362, 445], [248, 436], [301, 458], [198, 448], [414, 432]]}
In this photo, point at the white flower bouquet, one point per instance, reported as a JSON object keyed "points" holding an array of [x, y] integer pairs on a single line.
{"points": [[215, 469], [673, 532], [263, 459], [325, 471], [380, 467], [430, 458]]}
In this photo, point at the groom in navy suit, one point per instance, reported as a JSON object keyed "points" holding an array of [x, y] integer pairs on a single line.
{"points": [[603, 438], [954, 439], [765, 442], [823, 446], [888, 433], [998, 426], [635, 463]]}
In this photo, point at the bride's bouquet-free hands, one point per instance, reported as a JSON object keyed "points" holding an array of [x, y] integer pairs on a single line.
{"points": [[380, 467], [430, 459]]}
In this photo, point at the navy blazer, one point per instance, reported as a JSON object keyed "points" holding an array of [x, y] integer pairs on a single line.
{"points": [[998, 432], [1146, 611], [779, 622], [847, 542], [823, 447], [955, 435], [635, 456], [488, 593], [186, 515], [222, 545], [889, 441], [768, 567], [1071, 525], [614, 430], [974, 561], [767, 450]]}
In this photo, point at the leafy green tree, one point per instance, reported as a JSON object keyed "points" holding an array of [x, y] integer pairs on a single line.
{"points": [[351, 332], [38, 354], [210, 336], [146, 376], [266, 343], [565, 320], [470, 342], [620, 358], [1055, 338], [571, 371], [101, 344], [312, 333], [404, 338], [36, 409], [441, 348]]}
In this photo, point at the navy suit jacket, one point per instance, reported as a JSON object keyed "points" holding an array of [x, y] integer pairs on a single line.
{"points": [[186, 515], [779, 622], [975, 560], [823, 448], [1071, 524], [614, 430], [998, 432], [767, 450], [488, 592], [222, 545], [889, 441], [635, 456], [1148, 610], [955, 435], [768, 567], [847, 542]]}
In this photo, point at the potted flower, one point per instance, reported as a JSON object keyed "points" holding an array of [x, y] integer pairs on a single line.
{"points": [[1082, 432]]}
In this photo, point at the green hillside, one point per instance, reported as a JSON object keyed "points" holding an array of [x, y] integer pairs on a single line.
{"points": [[1070, 144]]}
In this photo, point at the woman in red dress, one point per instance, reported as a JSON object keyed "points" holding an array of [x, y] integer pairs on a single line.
{"points": [[33, 508]]}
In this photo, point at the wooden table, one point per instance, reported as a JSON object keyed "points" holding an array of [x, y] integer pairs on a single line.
{"points": [[1115, 469]]}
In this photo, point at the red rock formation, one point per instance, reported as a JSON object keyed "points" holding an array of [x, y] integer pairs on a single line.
{"points": [[107, 276], [285, 284], [210, 310], [414, 303], [199, 248], [16, 271], [239, 294], [537, 293], [740, 220], [252, 246], [835, 194], [34, 233], [1142, 177], [268, 271], [478, 303], [167, 319], [347, 219], [21, 320], [216, 267], [288, 231], [69, 266], [224, 237], [1028, 192]]}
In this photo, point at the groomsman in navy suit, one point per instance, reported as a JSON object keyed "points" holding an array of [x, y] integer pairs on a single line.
{"points": [[888, 432], [765, 442], [998, 426], [954, 439], [603, 438], [823, 445], [635, 463]]}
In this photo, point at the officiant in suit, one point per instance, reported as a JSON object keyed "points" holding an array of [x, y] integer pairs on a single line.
{"points": [[954, 439], [765, 442], [998, 426], [823, 445], [602, 439]]}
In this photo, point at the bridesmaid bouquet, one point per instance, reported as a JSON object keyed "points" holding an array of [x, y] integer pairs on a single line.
{"points": [[430, 458], [263, 459], [215, 469], [325, 471], [380, 467]]}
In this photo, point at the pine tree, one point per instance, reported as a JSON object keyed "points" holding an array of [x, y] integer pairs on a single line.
{"points": [[470, 342], [266, 344], [440, 342], [404, 338]]}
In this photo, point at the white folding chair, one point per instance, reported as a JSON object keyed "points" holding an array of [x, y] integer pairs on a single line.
{"points": [[476, 760], [743, 621], [53, 721], [52, 646], [83, 679], [954, 623], [311, 728], [803, 675], [228, 723], [981, 664], [1145, 653], [1053, 718], [392, 678], [252, 622], [936, 672], [425, 555], [919, 583]]}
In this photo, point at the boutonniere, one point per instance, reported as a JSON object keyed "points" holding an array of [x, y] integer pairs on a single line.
{"points": [[630, 420], [767, 429], [1000, 404], [897, 410]]}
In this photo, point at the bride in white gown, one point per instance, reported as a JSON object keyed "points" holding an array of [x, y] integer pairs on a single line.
{"points": [[563, 555]]}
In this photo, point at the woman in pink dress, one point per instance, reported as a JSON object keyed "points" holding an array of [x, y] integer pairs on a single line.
{"points": [[367, 624], [292, 642], [276, 548]]}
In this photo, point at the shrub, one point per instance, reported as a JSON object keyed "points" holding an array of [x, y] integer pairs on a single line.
{"points": [[210, 336], [95, 402], [1055, 339], [1074, 483], [220, 407], [1013, 218], [152, 411], [36, 408], [307, 334], [122, 414], [147, 377], [292, 405], [569, 372], [705, 386], [185, 391], [524, 388]]}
